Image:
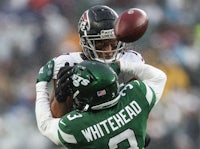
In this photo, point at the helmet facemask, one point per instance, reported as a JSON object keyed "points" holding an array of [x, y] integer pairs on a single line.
{"points": [[97, 24], [93, 53]]}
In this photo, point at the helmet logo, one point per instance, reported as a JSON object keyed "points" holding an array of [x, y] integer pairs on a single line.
{"points": [[77, 81], [84, 23]]}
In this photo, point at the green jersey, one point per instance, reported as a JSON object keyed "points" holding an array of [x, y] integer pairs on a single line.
{"points": [[122, 126]]}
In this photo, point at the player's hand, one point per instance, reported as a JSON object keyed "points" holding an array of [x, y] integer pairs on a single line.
{"points": [[63, 89], [46, 72]]}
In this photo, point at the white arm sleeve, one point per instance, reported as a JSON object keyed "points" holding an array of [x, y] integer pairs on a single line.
{"points": [[151, 76], [47, 125]]}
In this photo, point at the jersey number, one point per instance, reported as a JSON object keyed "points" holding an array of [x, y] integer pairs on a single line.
{"points": [[72, 117], [127, 134]]}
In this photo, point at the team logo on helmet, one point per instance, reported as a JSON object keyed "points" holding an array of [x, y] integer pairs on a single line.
{"points": [[78, 80], [84, 23]]}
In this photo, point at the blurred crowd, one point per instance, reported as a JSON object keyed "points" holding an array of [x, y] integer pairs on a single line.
{"points": [[34, 31]]}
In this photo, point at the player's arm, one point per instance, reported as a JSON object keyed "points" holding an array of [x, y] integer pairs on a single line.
{"points": [[151, 76], [58, 109], [61, 103], [47, 125]]}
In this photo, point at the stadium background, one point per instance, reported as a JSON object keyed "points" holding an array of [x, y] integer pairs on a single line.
{"points": [[34, 31]]}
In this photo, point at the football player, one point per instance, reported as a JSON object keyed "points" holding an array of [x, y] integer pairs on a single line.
{"points": [[98, 41], [106, 116]]}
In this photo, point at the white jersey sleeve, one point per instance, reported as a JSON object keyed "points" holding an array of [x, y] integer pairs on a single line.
{"points": [[131, 57], [47, 125], [151, 76], [72, 58]]}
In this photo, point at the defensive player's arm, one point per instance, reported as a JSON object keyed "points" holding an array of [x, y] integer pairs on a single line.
{"points": [[47, 125], [151, 76], [58, 109]]}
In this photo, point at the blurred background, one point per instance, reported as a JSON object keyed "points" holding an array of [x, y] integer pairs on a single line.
{"points": [[34, 31]]}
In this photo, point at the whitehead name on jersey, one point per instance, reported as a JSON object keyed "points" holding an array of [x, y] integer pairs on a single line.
{"points": [[112, 123]]}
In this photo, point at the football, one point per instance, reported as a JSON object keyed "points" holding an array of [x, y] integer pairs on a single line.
{"points": [[131, 25]]}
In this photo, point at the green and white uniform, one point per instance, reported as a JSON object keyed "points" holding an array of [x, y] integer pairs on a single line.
{"points": [[122, 126]]}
